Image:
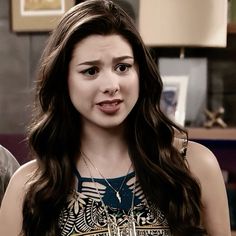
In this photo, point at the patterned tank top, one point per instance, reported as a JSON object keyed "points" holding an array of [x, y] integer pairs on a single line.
{"points": [[84, 213]]}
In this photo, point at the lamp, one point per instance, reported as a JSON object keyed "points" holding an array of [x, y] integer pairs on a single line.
{"points": [[183, 23]]}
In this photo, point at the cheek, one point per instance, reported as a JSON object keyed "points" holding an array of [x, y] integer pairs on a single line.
{"points": [[72, 89], [75, 91], [132, 89], [135, 84], [81, 93], [77, 99]]}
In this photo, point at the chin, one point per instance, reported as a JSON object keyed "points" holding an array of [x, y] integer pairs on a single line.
{"points": [[113, 123]]}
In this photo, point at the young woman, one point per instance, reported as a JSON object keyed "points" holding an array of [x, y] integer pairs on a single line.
{"points": [[108, 161]]}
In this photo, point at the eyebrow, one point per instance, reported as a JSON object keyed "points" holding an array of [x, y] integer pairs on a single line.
{"points": [[115, 60]]}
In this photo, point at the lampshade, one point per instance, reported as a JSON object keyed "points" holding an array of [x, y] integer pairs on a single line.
{"points": [[183, 22]]}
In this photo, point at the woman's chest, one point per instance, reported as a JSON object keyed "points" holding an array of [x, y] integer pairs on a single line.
{"points": [[96, 210]]}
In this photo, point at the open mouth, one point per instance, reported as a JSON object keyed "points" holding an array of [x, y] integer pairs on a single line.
{"points": [[110, 104], [109, 107]]}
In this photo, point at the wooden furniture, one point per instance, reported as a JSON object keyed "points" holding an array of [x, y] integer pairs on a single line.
{"points": [[212, 133], [231, 28]]}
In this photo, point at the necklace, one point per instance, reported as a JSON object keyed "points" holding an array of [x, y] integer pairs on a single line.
{"points": [[99, 172], [113, 228]]}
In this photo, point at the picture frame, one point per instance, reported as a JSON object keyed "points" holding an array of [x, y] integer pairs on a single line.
{"points": [[196, 69], [37, 15], [174, 97]]}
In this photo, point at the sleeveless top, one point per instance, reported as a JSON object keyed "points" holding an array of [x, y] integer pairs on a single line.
{"points": [[84, 213]]}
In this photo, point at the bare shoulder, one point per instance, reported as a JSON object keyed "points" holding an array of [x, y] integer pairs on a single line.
{"points": [[18, 182], [23, 174], [204, 166], [11, 207], [201, 160]]}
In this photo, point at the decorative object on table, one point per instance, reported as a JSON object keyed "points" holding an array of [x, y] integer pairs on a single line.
{"points": [[196, 71], [173, 98], [37, 16], [215, 118]]}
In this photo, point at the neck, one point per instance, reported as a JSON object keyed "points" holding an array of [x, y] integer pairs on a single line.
{"points": [[108, 151], [103, 143]]}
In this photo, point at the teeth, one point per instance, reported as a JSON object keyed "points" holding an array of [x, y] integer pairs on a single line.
{"points": [[109, 104]]}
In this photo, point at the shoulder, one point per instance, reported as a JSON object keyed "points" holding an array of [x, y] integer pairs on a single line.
{"points": [[201, 160], [18, 181], [11, 207], [23, 174], [205, 168]]}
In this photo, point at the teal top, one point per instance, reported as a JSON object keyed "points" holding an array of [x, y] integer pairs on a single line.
{"points": [[84, 213]]}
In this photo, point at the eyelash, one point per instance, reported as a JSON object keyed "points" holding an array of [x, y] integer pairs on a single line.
{"points": [[86, 72], [96, 70], [127, 66]]}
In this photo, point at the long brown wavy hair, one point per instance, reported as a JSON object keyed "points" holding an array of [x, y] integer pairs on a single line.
{"points": [[54, 135]]}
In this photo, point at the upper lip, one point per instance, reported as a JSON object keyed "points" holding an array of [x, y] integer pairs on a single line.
{"points": [[110, 101]]}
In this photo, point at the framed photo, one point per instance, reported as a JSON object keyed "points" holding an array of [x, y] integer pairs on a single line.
{"points": [[37, 15], [196, 70], [174, 96]]}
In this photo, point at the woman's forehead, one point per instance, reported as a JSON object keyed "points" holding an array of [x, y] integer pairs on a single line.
{"points": [[100, 44]]}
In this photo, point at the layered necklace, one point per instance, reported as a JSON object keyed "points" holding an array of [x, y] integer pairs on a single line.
{"points": [[117, 192], [113, 228]]}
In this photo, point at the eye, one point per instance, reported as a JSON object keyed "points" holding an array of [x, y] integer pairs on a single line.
{"points": [[90, 71], [123, 67]]}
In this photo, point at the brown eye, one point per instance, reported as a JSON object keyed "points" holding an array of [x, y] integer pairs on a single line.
{"points": [[90, 71], [123, 67]]}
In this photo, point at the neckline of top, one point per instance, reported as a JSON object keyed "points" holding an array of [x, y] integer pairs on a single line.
{"points": [[118, 178]]}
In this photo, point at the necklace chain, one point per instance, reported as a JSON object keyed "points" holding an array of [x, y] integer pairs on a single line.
{"points": [[113, 228], [99, 172]]}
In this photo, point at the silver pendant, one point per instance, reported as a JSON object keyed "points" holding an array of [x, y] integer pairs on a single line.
{"points": [[118, 196]]}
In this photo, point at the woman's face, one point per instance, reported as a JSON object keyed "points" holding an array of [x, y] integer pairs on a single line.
{"points": [[103, 80]]}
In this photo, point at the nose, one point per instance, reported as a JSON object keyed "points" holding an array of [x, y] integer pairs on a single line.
{"points": [[110, 84]]}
